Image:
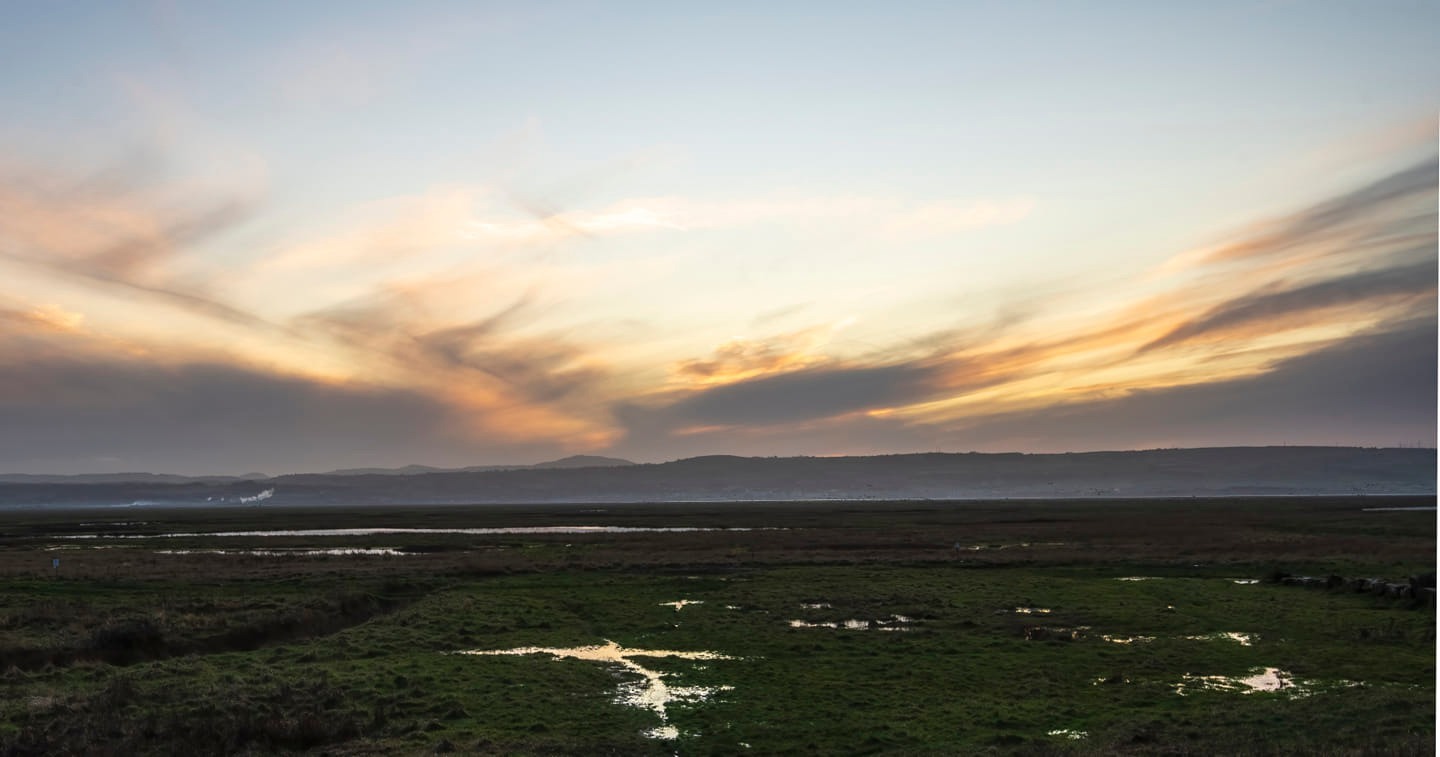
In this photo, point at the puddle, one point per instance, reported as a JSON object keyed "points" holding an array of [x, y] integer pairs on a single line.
{"points": [[287, 552], [1138, 578], [1127, 639], [1243, 639], [1068, 733], [1244, 581], [807, 624], [1266, 680], [815, 605], [680, 604], [651, 693], [732, 607], [385, 531], [1032, 610], [1260, 680], [891, 623], [1019, 545]]}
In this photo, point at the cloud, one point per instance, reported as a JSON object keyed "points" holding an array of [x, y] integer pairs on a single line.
{"points": [[113, 232], [73, 401], [745, 358], [1269, 308], [384, 233], [1336, 220], [540, 384], [1329, 288], [1376, 387], [64, 415], [46, 317], [801, 395], [887, 217]]}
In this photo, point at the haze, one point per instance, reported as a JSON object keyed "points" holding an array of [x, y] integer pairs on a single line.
{"points": [[288, 237]]}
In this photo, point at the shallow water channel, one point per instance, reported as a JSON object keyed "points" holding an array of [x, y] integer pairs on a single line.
{"points": [[651, 692], [385, 531]]}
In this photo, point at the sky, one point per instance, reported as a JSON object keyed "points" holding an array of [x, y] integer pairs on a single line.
{"points": [[281, 237]]}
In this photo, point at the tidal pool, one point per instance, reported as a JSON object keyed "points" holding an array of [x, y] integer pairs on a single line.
{"points": [[385, 531], [651, 692], [1243, 639], [287, 552], [891, 623], [1127, 639], [1265, 680], [1021, 545]]}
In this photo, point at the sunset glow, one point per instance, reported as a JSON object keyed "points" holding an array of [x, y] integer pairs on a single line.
{"points": [[273, 237]]}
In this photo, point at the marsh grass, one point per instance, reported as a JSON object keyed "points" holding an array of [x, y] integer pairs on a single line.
{"points": [[224, 654]]}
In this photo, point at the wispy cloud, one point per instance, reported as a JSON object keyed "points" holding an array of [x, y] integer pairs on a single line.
{"points": [[1375, 387], [886, 217], [1329, 297], [1353, 218], [488, 350], [1267, 310], [390, 231], [107, 232]]}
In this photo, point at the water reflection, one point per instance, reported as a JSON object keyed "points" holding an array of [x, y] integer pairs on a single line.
{"points": [[890, 623], [1127, 639], [651, 692], [1267, 680], [384, 531], [1243, 639], [286, 552]]}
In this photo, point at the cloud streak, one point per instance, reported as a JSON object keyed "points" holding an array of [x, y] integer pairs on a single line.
{"points": [[1374, 388], [99, 232], [487, 355], [1328, 222], [1268, 308], [1046, 368]]}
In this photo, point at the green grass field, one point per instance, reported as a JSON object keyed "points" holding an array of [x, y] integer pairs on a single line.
{"points": [[131, 651]]}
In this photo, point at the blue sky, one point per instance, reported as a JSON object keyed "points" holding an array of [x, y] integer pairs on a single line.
{"points": [[610, 227]]}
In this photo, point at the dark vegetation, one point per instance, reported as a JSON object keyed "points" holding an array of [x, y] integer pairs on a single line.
{"points": [[1221, 471], [126, 650]]}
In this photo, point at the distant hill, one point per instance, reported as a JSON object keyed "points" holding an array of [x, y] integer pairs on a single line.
{"points": [[574, 461], [114, 478], [584, 461], [1224, 471]]}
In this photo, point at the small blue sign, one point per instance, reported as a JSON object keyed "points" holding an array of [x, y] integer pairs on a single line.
{"points": [[55, 563]]}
